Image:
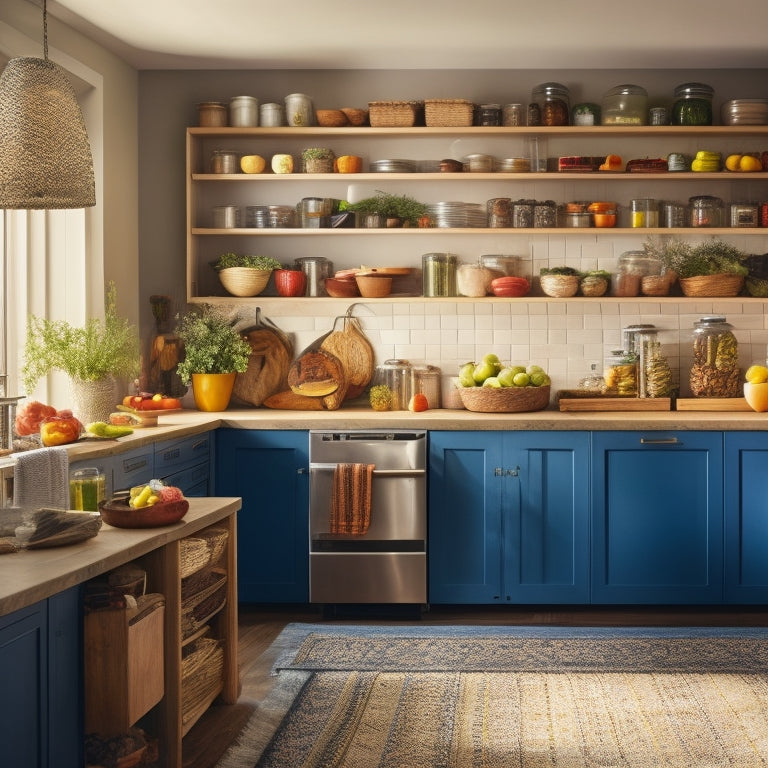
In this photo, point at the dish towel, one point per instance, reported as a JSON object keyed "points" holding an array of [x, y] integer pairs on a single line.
{"points": [[41, 478], [351, 498]]}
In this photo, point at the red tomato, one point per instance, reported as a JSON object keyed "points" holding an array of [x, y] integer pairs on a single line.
{"points": [[170, 403]]}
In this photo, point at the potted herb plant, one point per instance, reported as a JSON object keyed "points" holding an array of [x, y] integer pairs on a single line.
{"points": [[317, 160], [214, 353], [391, 210], [92, 356], [243, 274]]}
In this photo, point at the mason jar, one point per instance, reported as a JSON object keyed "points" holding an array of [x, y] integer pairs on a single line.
{"points": [[715, 366], [554, 103], [693, 104], [706, 211]]}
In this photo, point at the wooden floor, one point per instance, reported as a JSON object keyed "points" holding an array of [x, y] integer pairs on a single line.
{"points": [[259, 627]]}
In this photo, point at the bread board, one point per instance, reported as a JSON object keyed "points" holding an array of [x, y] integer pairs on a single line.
{"points": [[712, 404], [615, 403]]}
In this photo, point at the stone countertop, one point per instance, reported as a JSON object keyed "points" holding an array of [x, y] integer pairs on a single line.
{"points": [[28, 576]]}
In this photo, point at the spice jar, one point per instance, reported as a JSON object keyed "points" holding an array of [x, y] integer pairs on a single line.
{"points": [[693, 105], [554, 103], [87, 487], [706, 211], [625, 105], [715, 366], [439, 274]]}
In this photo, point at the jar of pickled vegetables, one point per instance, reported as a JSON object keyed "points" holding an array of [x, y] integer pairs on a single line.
{"points": [[87, 487], [620, 372], [693, 104], [715, 366]]}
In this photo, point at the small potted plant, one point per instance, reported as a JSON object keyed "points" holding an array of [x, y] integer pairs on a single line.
{"points": [[384, 209], [245, 275], [93, 356], [317, 160], [214, 353]]}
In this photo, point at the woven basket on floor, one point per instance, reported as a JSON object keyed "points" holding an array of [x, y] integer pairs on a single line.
{"points": [[504, 399], [244, 281], [395, 114], [448, 112], [713, 286], [202, 674], [559, 286]]}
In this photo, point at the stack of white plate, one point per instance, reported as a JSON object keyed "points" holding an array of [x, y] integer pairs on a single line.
{"points": [[394, 166], [745, 112], [457, 214]]}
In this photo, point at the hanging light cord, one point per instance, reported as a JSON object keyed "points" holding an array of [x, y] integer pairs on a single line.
{"points": [[45, 30]]}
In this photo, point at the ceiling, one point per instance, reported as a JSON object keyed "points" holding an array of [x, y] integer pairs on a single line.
{"points": [[424, 34]]}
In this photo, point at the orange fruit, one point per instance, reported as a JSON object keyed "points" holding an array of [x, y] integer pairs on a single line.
{"points": [[750, 163], [252, 163], [732, 162]]}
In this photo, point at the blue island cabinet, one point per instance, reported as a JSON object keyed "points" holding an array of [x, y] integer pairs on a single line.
{"points": [[746, 517], [41, 722], [269, 469], [657, 517], [508, 517]]}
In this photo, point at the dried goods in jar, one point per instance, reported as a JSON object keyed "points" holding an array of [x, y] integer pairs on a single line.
{"points": [[715, 368]]}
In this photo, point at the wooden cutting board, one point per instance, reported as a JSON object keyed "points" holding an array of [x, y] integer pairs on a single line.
{"points": [[712, 404], [615, 404]]}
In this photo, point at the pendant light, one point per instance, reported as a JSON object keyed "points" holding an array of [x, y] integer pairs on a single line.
{"points": [[45, 156]]}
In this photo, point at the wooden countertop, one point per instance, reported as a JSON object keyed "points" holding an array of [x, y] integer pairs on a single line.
{"points": [[29, 576]]}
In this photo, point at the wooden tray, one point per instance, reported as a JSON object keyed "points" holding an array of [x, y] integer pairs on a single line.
{"points": [[712, 404], [615, 403]]}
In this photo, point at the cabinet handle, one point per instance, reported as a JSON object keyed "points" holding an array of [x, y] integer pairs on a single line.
{"points": [[498, 471], [512, 472], [301, 471], [501, 472], [660, 441]]}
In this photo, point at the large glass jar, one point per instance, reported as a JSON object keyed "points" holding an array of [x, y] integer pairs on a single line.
{"points": [[625, 105], [398, 376], [715, 366], [554, 103], [632, 268], [706, 211], [438, 272], [654, 372], [693, 104], [620, 372]]}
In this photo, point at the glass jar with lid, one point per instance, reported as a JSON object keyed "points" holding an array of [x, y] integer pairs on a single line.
{"points": [[87, 487], [427, 380], [620, 372], [693, 104], [625, 105], [398, 376], [554, 103], [632, 267], [654, 372], [715, 366], [438, 272], [706, 211]]}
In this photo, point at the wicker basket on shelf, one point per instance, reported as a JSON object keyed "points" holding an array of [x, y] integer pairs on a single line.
{"points": [[202, 673], [244, 281], [448, 112], [559, 286], [504, 399], [209, 597], [395, 114], [712, 286], [195, 552]]}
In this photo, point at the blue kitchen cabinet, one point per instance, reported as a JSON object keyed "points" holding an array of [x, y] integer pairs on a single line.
{"points": [[746, 517], [185, 463], [41, 722], [269, 469], [657, 501], [508, 517]]}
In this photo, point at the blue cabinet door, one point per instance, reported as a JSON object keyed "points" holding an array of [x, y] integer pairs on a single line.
{"points": [[746, 517], [508, 517], [269, 470], [657, 517]]}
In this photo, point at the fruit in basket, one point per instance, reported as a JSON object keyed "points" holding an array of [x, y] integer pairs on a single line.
{"points": [[473, 375]]}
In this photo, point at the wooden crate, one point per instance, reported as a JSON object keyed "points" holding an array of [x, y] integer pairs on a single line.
{"points": [[124, 670]]}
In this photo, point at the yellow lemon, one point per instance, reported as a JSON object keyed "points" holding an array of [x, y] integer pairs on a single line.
{"points": [[252, 163], [750, 163], [756, 374], [732, 162]]}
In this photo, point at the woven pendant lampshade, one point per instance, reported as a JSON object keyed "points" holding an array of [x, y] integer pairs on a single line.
{"points": [[45, 156]]}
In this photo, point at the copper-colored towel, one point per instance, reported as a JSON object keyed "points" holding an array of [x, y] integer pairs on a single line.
{"points": [[351, 498]]}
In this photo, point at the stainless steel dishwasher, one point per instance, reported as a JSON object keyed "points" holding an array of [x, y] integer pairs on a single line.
{"points": [[388, 562]]}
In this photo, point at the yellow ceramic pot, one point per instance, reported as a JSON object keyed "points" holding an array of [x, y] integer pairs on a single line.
{"points": [[212, 391]]}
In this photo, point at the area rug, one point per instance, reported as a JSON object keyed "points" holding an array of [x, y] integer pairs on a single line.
{"points": [[359, 697]]}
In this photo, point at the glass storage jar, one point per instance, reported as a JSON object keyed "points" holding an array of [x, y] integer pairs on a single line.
{"points": [[554, 103], [398, 376], [715, 366], [439, 274], [620, 372], [706, 211], [654, 373], [625, 105], [473, 280], [693, 104], [645, 212], [87, 487], [427, 380], [632, 267]]}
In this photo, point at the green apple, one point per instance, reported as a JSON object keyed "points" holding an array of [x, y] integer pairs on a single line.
{"points": [[466, 378], [492, 359], [534, 369], [483, 371], [517, 369], [506, 376], [540, 379], [492, 381], [521, 380]]}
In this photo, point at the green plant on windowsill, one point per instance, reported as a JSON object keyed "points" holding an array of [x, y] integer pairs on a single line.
{"points": [[98, 350]]}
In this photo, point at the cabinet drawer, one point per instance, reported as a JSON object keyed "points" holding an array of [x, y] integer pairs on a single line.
{"points": [[175, 454], [193, 481], [133, 468]]}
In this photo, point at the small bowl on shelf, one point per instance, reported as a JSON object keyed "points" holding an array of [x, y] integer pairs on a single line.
{"points": [[341, 289], [374, 286], [119, 514]]}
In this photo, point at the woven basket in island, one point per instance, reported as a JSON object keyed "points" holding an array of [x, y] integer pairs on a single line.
{"points": [[712, 286], [395, 114], [448, 112], [505, 399]]}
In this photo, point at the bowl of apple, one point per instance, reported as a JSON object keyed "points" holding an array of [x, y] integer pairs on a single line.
{"points": [[492, 387]]}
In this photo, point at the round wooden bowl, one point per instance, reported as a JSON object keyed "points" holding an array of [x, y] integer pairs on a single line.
{"points": [[374, 286], [504, 399], [244, 281], [118, 514], [341, 289], [331, 118]]}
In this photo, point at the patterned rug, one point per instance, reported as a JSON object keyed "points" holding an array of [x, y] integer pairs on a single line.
{"points": [[500, 697]]}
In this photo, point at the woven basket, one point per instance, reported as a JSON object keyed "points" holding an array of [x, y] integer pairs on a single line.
{"points": [[559, 286], [195, 552], [714, 286], [394, 114], [208, 599], [202, 674], [505, 399], [244, 281], [448, 112]]}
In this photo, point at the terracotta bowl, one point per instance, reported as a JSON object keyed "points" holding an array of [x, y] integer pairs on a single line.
{"points": [[374, 286], [756, 396], [341, 289], [118, 514]]}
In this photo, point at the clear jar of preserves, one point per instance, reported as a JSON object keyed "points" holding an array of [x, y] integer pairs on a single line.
{"points": [[715, 367], [554, 103], [426, 380], [87, 487], [620, 372], [439, 274], [706, 211], [654, 372], [397, 375], [625, 105], [693, 104], [645, 212]]}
